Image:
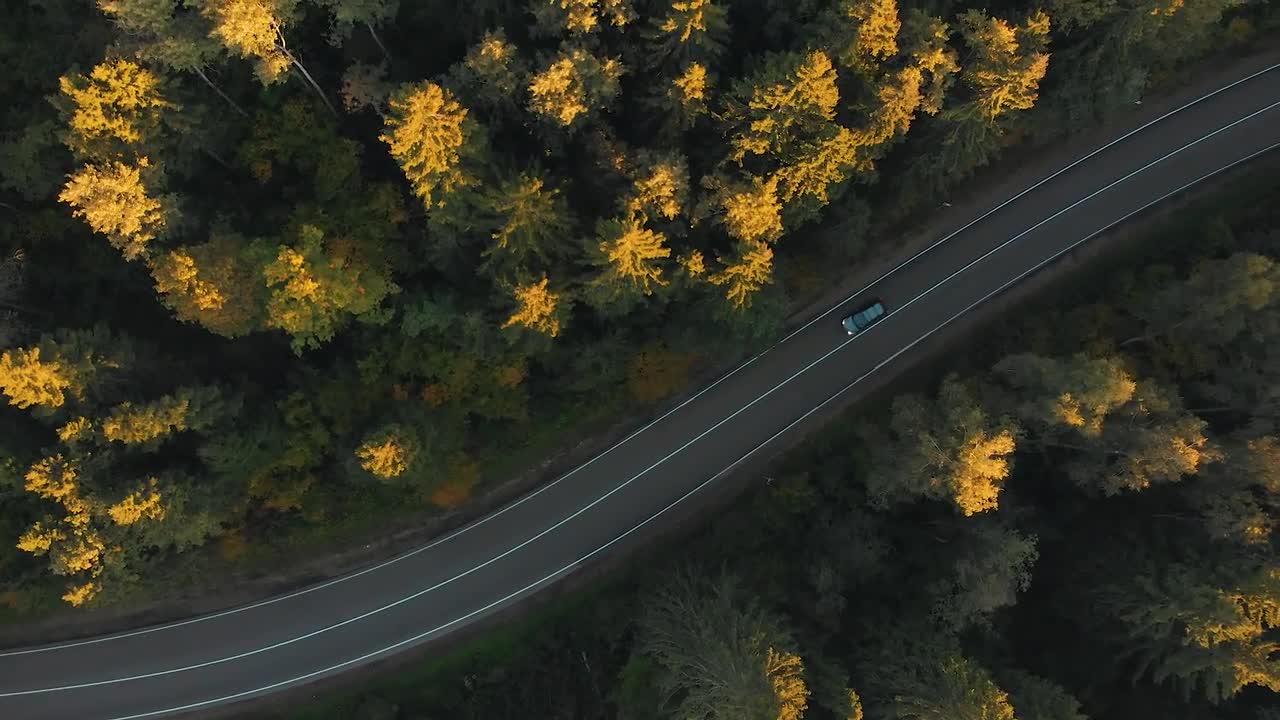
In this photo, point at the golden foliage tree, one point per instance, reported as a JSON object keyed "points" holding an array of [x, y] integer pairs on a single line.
{"points": [[433, 140], [59, 367], [746, 273], [947, 449], [581, 17], [1007, 62], [790, 99], [317, 283], [119, 104], [388, 453], [114, 200], [753, 214], [875, 31], [688, 30], [74, 547], [659, 186], [538, 308], [682, 100], [29, 379], [212, 284], [574, 86], [143, 503], [254, 29], [927, 41], [190, 408], [631, 253]]}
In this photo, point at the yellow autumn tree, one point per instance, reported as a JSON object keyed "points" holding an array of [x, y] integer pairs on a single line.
{"points": [[574, 86], [631, 252], [898, 100], [538, 308], [659, 186], [927, 42], [73, 546], [753, 214], [680, 101], [688, 30], [187, 408], [746, 273], [251, 29], [254, 29], [211, 284], [114, 200], [143, 503], [580, 17], [29, 379], [388, 453], [1008, 61], [59, 367], [792, 98], [947, 448], [119, 103], [785, 672], [827, 163], [316, 284], [432, 139], [875, 25]]}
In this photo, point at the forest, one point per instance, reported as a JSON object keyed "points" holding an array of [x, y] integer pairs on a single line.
{"points": [[276, 270], [1080, 521]]}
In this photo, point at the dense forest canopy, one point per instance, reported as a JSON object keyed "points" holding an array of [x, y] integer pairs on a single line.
{"points": [[265, 258]]}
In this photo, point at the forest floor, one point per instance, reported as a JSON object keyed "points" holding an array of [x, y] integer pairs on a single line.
{"points": [[305, 564]]}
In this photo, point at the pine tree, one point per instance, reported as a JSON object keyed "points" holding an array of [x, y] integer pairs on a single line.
{"points": [[945, 449], [720, 656]]}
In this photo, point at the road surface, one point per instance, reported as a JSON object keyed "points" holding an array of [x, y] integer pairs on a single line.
{"points": [[323, 630]]}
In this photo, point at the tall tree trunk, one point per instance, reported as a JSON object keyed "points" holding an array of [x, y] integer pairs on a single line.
{"points": [[378, 40], [315, 86], [218, 90]]}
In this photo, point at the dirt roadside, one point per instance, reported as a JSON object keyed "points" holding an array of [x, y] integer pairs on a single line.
{"points": [[1017, 170]]}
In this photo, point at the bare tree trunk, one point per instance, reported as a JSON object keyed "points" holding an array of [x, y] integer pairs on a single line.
{"points": [[216, 158], [378, 40], [315, 86], [218, 90]]}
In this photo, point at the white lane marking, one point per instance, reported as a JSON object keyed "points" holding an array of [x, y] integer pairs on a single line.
{"points": [[521, 500], [567, 568], [673, 453]]}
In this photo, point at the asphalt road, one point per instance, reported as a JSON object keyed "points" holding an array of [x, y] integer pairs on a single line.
{"points": [[301, 637]]}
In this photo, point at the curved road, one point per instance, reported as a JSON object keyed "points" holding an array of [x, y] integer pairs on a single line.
{"points": [[289, 640]]}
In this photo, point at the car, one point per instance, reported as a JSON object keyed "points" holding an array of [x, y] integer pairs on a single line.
{"points": [[864, 318]]}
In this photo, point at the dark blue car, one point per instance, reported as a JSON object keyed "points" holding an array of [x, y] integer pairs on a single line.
{"points": [[864, 318]]}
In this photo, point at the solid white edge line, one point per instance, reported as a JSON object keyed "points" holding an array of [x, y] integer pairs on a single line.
{"points": [[620, 486], [512, 505], [568, 568]]}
